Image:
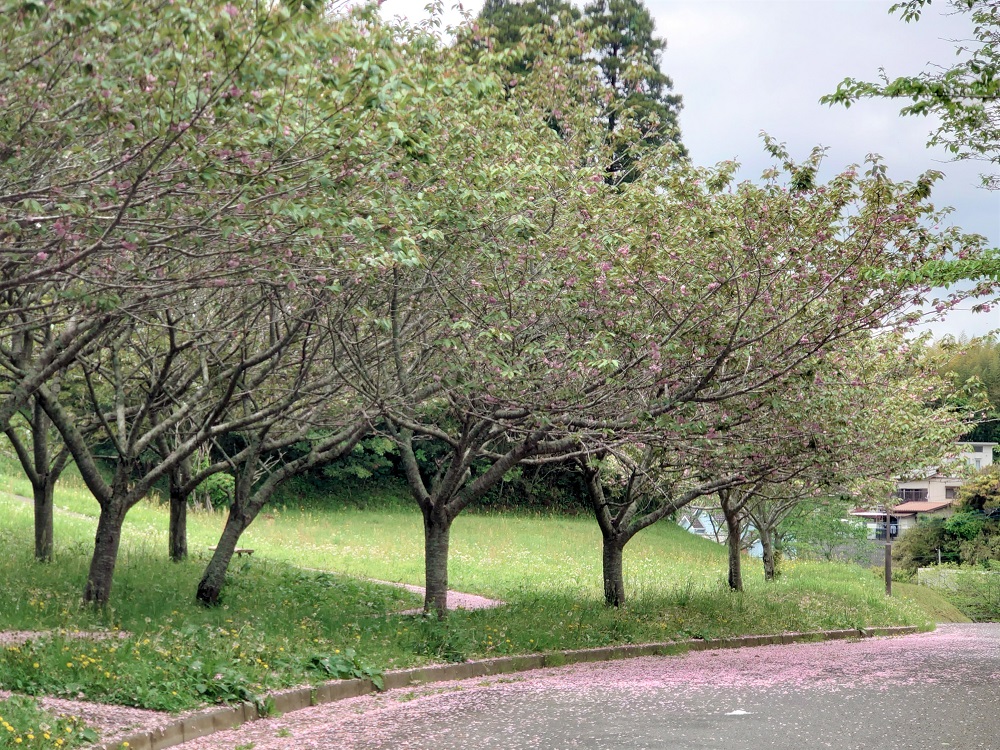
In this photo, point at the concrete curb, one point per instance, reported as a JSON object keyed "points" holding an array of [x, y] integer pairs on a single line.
{"points": [[214, 720]]}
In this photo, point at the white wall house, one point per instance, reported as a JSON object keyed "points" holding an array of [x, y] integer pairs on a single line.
{"points": [[932, 495], [942, 486], [704, 522]]}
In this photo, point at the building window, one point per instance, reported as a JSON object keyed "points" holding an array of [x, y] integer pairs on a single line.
{"points": [[979, 463], [977, 449], [950, 493], [907, 494]]}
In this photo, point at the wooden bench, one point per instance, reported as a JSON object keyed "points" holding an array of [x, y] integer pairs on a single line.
{"points": [[240, 551]]}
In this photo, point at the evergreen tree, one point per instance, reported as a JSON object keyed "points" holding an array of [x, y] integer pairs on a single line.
{"points": [[642, 110], [639, 107], [508, 21], [973, 367]]}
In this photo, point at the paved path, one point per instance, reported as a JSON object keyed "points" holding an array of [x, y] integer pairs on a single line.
{"points": [[936, 690]]}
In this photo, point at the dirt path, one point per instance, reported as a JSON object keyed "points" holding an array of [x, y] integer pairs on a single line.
{"points": [[64, 511], [456, 599]]}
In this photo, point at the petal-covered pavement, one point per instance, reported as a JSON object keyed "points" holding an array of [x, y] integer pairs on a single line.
{"points": [[934, 690]]}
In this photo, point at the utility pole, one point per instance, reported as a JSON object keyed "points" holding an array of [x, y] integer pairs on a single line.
{"points": [[888, 550]]}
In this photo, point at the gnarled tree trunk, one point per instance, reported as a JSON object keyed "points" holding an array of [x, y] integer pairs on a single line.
{"points": [[770, 561], [735, 578], [214, 577], [97, 592], [248, 500], [437, 532], [734, 538], [614, 581], [177, 537]]}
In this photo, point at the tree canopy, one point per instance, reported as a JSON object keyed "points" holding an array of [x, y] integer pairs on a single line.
{"points": [[241, 239]]}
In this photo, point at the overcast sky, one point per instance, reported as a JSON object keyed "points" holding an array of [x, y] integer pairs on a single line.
{"points": [[743, 66]]}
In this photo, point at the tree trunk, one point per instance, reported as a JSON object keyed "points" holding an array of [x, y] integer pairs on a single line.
{"points": [[735, 560], [614, 582], [212, 581], [43, 492], [767, 542], [178, 526], [437, 529], [97, 592]]}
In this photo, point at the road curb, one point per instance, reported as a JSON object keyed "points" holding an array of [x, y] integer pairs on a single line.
{"points": [[212, 720]]}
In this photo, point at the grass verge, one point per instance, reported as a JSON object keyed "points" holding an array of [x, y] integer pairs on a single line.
{"points": [[24, 726], [936, 606], [280, 625]]}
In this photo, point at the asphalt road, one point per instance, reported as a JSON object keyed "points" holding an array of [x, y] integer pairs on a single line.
{"points": [[936, 690]]}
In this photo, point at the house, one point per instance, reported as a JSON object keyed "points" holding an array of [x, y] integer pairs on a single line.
{"points": [[710, 523], [930, 496], [901, 517], [704, 522], [941, 485]]}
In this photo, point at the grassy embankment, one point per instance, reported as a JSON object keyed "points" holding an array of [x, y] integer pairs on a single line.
{"points": [[280, 625]]}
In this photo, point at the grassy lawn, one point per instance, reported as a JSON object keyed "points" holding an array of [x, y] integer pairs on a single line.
{"points": [[281, 625]]}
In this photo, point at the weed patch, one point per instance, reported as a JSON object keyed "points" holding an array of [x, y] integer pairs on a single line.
{"points": [[25, 726]]}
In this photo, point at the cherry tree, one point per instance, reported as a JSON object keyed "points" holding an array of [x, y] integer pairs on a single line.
{"points": [[865, 413], [789, 276], [180, 215]]}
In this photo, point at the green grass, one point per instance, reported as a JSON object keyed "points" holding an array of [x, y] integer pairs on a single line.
{"points": [[930, 601], [281, 625], [491, 554], [23, 725]]}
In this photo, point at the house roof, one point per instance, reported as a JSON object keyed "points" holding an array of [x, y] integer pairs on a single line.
{"points": [[921, 506], [878, 513]]}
